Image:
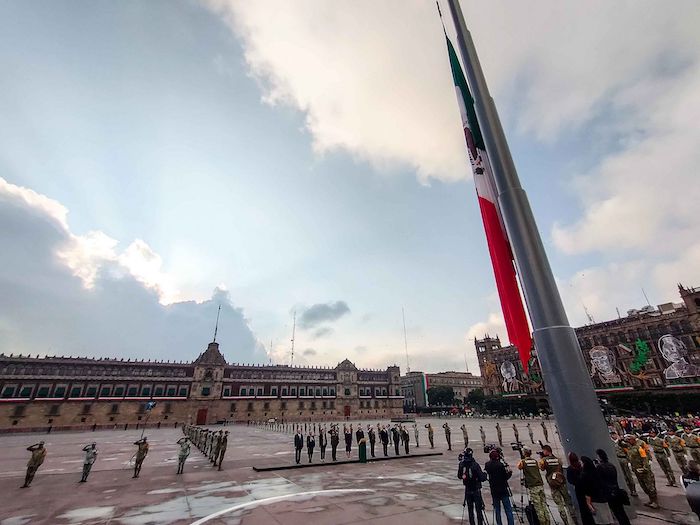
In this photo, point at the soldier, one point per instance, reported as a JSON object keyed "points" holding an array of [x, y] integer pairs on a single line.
{"points": [[430, 435], [483, 435], [448, 434], [310, 444], [298, 445], [530, 433], [546, 432], [532, 479], [415, 434], [499, 434], [554, 472], [395, 437], [141, 454], [322, 442], [335, 441], [662, 453], [384, 438], [372, 439], [90, 457], [638, 454], [182, 454], [693, 444], [677, 445], [214, 453], [516, 433], [465, 435], [37, 458], [621, 453], [222, 448], [406, 438]]}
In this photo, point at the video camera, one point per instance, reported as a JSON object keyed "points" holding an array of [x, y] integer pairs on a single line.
{"points": [[488, 447]]}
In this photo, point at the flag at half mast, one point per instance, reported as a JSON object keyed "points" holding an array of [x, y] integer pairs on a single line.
{"points": [[496, 238]]}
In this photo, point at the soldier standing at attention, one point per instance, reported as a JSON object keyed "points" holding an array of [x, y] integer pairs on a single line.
{"points": [[483, 435], [322, 442], [546, 432], [532, 479], [384, 438], [372, 439], [622, 457], [677, 445], [182, 454], [557, 484], [499, 434], [141, 454], [298, 445], [406, 438], [693, 444], [415, 433], [395, 437], [661, 453], [516, 433], [90, 457], [465, 435], [529, 431], [335, 441], [448, 435], [214, 452], [38, 456], [430, 435], [638, 454], [310, 444], [222, 448]]}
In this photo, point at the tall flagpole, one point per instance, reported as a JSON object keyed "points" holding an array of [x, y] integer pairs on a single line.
{"points": [[571, 394]]}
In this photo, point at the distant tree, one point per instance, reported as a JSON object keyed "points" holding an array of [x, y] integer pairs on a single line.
{"points": [[440, 396], [476, 397]]}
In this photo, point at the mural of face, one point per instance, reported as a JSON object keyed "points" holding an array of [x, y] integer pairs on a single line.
{"points": [[508, 370], [675, 351], [603, 363]]}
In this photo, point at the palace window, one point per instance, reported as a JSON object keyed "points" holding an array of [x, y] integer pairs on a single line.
{"points": [[332, 405], [233, 407], [118, 391], [158, 392], [146, 391], [273, 391], [19, 410], [171, 392], [318, 392], [54, 410], [260, 391], [168, 408], [332, 391], [133, 391], [8, 391], [301, 405], [283, 405], [243, 391], [250, 407], [267, 406], [91, 391], [43, 391], [347, 391], [325, 391], [294, 391], [114, 409], [284, 390], [86, 408], [302, 391], [76, 391], [206, 391], [104, 391], [313, 405], [227, 391]]}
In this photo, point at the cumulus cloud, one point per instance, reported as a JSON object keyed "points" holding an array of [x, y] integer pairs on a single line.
{"points": [[324, 331], [320, 313], [309, 352], [68, 294], [493, 326]]}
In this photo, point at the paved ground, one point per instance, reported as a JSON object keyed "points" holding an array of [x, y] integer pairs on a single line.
{"points": [[412, 490]]}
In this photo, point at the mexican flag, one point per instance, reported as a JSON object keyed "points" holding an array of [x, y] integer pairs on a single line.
{"points": [[496, 237]]}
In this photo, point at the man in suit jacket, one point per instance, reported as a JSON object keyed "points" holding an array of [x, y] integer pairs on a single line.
{"points": [[298, 445], [310, 444], [322, 442], [395, 437], [372, 439], [384, 438]]}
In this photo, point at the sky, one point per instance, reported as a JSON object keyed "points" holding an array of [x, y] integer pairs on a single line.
{"points": [[305, 159]]}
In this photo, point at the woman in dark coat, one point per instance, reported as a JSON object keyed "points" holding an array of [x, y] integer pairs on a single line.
{"points": [[595, 493], [574, 475], [607, 475]]}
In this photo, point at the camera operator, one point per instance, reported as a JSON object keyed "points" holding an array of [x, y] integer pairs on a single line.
{"points": [[498, 475], [471, 475]]}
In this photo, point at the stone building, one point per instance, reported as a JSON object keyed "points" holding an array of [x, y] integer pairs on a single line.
{"points": [[414, 386], [652, 348], [67, 392]]}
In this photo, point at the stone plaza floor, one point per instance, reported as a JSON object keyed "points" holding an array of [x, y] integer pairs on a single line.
{"points": [[421, 490]]}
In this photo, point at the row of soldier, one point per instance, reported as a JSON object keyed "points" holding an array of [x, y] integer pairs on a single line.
{"points": [[211, 443]]}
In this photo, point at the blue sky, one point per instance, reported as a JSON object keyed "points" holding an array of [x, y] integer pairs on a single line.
{"points": [[294, 156]]}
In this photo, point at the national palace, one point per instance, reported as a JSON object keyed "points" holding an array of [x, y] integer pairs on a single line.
{"points": [[68, 392]]}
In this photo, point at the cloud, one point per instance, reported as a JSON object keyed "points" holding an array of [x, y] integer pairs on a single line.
{"points": [[68, 294], [322, 313], [493, 326], [309, 352], [324, 331]]}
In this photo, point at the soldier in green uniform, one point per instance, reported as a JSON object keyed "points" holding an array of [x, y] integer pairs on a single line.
{"points": [[530, 433], [465, 435], [222, 448], [140, 455], [621, 453], [38, 456], [516, 433], [693, 443], [546, 432], [677, 445], [638, 454], [448, 434], [483, 435], [430, 434], [499, 434], [662, 453], [554, 472], [532, 479]]}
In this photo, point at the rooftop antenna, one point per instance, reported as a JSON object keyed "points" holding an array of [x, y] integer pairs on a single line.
{"points": [[466, 363], [645, 296], [270, 356], [405, 341], [618, 313], [216, 328], [294, 330], [588, 314]]}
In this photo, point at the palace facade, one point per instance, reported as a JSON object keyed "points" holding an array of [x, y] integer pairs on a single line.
{"points": [[649, 349], [67, 392]]}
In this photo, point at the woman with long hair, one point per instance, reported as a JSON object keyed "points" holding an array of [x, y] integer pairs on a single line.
{"points": [[596, 496], [573, 475], [607, 476]]}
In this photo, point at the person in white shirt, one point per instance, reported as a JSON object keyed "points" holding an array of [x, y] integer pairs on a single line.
{"points": [[90, 457]]}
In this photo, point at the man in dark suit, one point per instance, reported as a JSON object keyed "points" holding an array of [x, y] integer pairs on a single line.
{"points": [[298, 445], [335, 441], [322, 442], [310, 444], [372, 439], [395, 437], [384, 438]]}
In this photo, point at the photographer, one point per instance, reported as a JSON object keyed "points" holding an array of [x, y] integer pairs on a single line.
{"points": [[498, 475], [471, 475]]}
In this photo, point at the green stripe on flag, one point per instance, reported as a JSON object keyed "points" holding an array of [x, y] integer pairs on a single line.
{"points": [[461, 83]]}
